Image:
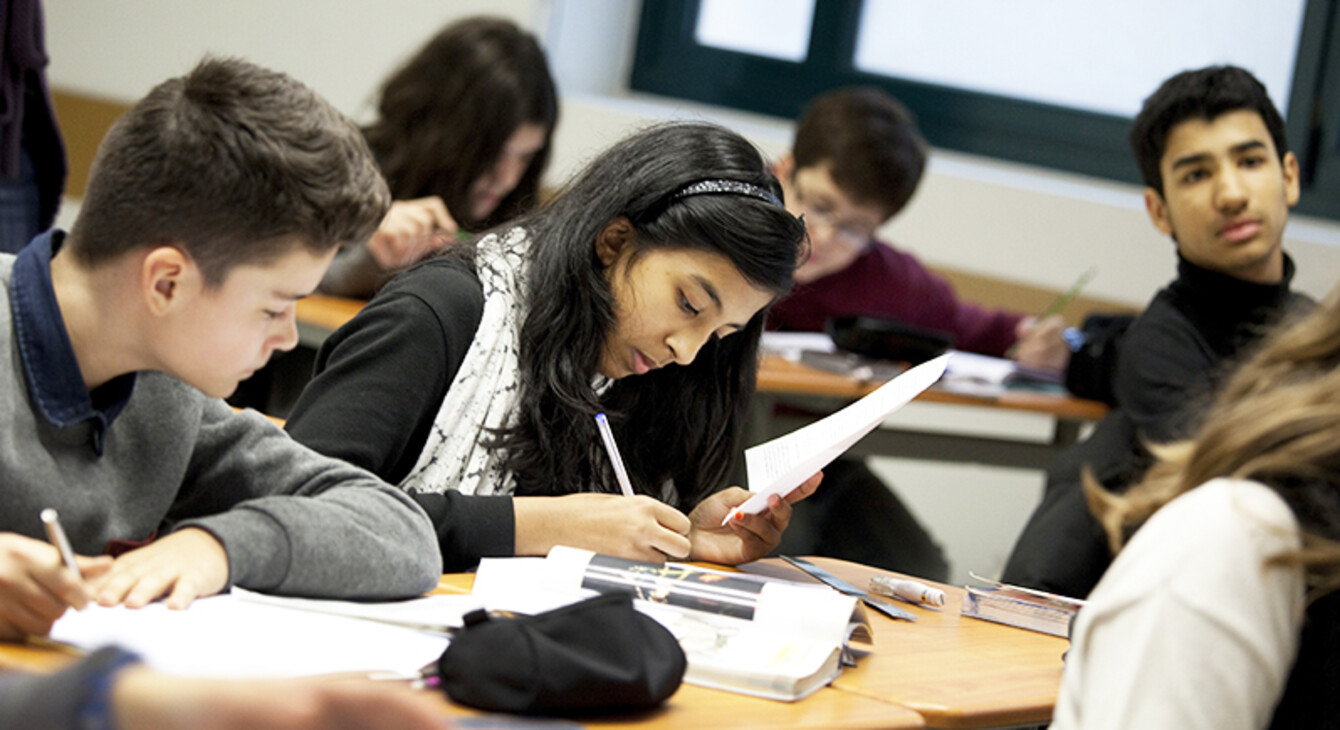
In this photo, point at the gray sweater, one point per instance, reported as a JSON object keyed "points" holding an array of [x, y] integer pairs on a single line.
{"points": [[292, 521]]}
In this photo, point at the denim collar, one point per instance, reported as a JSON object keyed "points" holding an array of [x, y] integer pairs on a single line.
{"points": [[55, 382]]}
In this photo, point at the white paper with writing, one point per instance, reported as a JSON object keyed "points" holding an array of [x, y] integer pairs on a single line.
{"points": [[780, 465]]}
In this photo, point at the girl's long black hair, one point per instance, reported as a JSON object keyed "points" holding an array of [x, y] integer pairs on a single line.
{"points": [[681, 424]]}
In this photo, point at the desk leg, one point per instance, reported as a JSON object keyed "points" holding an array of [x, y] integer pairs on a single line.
{"points": [[1066, 433]]}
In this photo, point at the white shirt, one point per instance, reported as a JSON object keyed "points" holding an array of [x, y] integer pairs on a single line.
{"points": [[1189, 628]]}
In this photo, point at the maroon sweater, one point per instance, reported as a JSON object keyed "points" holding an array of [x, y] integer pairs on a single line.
{"points": [[891, 284]]}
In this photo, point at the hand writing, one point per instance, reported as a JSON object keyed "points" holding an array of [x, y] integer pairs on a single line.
{"points": [[640, 528], [36, 587], [1040, 345]]}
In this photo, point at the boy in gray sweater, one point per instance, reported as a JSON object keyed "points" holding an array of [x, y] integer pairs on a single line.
{"points": [[212, 205]]}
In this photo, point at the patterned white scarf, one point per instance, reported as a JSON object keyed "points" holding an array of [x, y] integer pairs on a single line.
{"points": [[482, 395]]}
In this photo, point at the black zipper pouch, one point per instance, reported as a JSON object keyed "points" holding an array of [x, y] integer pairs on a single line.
{"points": [[597, 656]]}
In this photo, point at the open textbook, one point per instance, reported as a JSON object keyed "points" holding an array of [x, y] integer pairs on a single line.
{"points": [[744, 633], [780, 465]]}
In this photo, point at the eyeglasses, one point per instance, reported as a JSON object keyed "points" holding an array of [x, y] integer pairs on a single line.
{"points": [[852, 235]]}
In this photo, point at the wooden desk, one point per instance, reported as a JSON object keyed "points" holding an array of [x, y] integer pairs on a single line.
{"points": [[690, 707], [955, 672], [701, 708], [821, 392], [318, 315]]}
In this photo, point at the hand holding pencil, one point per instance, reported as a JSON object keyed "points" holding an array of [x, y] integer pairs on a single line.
{"points": [[1038, 342], [36, 586]]}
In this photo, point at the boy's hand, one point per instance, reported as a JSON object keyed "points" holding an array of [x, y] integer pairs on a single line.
{"points": [[1039, 343], [748, 537], [406, 234], [36, 587], [638, 528], [185, 565]]}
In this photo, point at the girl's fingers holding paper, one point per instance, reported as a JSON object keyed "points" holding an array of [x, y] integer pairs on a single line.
{"points": [[806, 488]]}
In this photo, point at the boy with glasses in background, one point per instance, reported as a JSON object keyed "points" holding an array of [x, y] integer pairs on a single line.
{"points": [[857, 159]]}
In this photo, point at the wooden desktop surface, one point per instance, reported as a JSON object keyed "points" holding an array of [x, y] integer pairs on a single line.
{"points": [[779, 376], [955, 672], [318, 315], [690, 707], [701, 708]]}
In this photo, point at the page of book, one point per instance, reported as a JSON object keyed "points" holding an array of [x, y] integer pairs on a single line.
{"points": [[780, 465]]}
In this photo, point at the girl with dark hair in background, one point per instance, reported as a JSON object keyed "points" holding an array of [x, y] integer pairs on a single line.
{"points": [[462, 136], [473, 379]]}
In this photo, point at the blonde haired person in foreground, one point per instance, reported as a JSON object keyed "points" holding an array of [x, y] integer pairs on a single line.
{"points": [[1220, 612]]}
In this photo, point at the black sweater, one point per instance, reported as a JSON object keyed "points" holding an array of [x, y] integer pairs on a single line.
{"points": [[379, 382]]}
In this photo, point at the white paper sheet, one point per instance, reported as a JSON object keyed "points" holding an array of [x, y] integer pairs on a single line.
{"points": [[780, 465], [790, 345], [227, 636]]}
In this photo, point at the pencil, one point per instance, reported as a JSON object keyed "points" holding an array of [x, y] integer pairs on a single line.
{"points": [[1064, 298]]}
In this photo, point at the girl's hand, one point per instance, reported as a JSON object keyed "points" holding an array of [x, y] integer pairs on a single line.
{"points": [[411, 230], [185, 565], [747, 537], [36, 587], [640, 528]]}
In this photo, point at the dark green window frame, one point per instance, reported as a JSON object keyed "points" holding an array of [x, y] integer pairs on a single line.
{"points": [[668, 61]]}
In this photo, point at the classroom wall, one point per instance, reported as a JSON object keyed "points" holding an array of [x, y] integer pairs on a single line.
{"points": [[976, 216]]}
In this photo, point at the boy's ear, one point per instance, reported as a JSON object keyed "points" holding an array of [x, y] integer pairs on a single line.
{"points": [[785, 168], [163, 272], [1158, 211], [613, 238], [1292, 187]]}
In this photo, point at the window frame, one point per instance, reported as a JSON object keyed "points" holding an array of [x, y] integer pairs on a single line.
{"points": [[668, 61]]}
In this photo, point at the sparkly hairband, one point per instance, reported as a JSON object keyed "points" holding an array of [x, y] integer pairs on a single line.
{"points": [[735, 187]]}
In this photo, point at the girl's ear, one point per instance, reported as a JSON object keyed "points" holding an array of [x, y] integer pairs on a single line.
{"points": [[613, 239]]}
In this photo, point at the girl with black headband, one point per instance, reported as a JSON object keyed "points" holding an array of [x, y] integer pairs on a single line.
{"points": [[473, 379]]}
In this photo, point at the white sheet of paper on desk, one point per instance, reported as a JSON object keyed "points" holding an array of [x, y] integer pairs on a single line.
{"points": [[980, 375], [226, 636], [780, 465], [789, 345], [438, 613]]}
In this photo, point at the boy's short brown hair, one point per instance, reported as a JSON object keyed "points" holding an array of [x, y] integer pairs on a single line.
{"points": [[870, 142], [231, 163]]}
